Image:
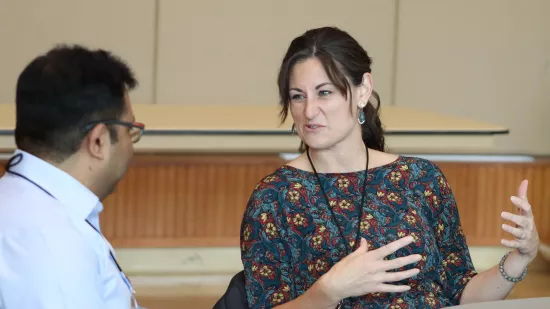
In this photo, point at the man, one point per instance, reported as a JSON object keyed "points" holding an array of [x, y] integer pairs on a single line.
{"points": [[74, 134]]}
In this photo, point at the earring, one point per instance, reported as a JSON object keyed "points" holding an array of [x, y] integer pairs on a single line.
{"points": [[361, 116], [293, 130]]}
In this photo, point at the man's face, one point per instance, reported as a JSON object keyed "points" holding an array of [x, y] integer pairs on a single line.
{"points": [[122, 151]]}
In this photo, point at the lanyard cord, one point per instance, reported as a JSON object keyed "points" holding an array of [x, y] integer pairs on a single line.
{"points": [[16, 160], [358, 237]]}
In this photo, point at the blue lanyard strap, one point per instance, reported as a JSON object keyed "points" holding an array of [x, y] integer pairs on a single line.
{"points": [[123, 274], [16, 160], [11, 163]]}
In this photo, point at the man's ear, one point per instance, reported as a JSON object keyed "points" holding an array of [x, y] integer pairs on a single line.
{"points": [[97, 141]]}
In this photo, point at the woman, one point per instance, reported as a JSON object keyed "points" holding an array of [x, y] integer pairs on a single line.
{"points": [[346, 224]]}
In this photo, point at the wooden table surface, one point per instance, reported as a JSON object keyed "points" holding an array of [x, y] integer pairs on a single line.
{"points": [[530, 303], [257, 128]]}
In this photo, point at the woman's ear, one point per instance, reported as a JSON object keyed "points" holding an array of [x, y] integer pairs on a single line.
{"points": [[365, 90]]}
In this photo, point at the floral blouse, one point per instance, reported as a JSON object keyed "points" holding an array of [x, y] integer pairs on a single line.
{"points": [[289, 239]]}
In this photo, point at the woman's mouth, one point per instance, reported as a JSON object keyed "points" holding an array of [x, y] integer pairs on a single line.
{"points": [[313, 127]]}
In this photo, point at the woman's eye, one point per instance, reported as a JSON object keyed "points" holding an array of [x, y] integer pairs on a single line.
{"points": [[296, 97], [324, 92]]}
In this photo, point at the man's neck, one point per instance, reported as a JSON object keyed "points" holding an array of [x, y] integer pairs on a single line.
{"points": [[80, 171]]}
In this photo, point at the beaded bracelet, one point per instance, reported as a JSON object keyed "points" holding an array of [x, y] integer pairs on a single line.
{"points": [[503, 273]]}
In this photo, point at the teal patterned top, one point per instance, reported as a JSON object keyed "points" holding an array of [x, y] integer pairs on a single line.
{"points": [[289, 240]]}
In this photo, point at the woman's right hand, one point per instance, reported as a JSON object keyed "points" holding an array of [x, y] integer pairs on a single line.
{"points": [[364, 271]]}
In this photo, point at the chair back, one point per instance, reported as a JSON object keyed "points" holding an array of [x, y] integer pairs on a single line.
{"points": [[235, 295]]}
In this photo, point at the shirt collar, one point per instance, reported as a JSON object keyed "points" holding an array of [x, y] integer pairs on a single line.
{"points": [[79, 200]]}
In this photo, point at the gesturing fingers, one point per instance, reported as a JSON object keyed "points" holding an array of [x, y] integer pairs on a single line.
{"points": [[363, 248], [523, 205], [393, 247], [400, 262], [388, 288], [513, 244], [398, 276], [517, 219], [517, 232], [522, 189]]}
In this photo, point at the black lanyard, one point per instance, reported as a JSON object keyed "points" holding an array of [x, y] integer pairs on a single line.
{"points": [[358, 237], [19, 157]]}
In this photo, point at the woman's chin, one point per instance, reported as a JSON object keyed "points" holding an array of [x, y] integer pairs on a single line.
{"points": [[318, 144]]}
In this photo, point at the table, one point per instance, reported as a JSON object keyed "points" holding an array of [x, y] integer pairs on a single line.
{"points": [[256, 129], [524, 303]]}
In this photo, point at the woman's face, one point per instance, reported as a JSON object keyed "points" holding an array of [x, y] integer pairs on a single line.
{"points": [[321, 114]]}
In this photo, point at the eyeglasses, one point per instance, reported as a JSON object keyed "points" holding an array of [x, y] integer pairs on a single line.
{"points": [[135, 128]]}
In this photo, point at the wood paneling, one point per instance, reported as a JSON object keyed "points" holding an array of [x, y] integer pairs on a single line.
{"points": [[183, 201], [197, 201], [483, 191]]}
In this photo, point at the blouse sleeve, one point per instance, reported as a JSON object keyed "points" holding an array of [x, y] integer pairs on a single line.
{"points": [[453, 249], [264, 252]]}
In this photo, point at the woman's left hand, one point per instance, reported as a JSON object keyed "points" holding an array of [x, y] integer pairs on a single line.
{"points": [[527, 238]]}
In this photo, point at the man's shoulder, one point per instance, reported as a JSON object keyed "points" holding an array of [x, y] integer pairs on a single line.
{"points": [[27, 240], [24, 210], [16, 189]]}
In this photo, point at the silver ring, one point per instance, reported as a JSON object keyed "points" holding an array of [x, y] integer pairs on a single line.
{"points": [[523, 236]]}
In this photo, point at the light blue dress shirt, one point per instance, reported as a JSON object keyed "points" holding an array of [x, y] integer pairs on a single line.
{"points": [[50, 257]]}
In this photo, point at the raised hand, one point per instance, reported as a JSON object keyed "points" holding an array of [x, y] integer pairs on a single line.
{"points": [[364, 271], [526, 240]]}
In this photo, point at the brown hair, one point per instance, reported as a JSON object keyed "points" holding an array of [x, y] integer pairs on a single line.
{"points": [[342, 58]]}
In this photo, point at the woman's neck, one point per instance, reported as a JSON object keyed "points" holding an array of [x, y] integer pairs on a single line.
{"points": [[340, 159]]}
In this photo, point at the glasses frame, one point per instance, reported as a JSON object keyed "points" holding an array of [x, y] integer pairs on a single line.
{"points": [[128, 124]]}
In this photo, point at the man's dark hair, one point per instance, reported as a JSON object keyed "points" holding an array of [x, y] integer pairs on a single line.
{"points": [[60, 92]]}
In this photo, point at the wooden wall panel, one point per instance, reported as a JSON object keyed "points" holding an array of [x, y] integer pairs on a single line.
{"points": [[483, 191], [183, 201], [198, 201]]}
